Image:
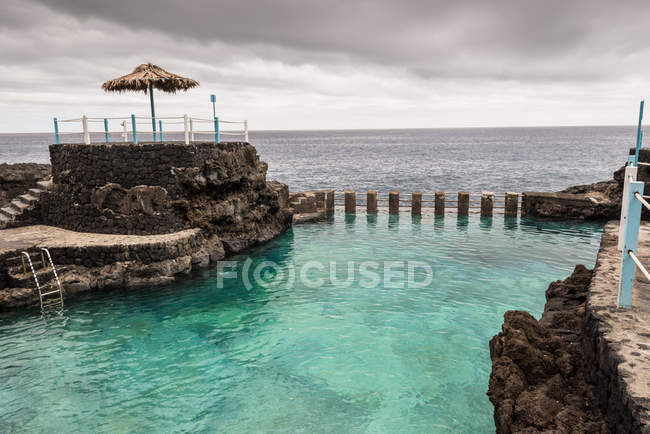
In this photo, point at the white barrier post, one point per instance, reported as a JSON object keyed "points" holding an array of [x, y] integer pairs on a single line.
{"points": [[246, 131], [125, 132], [630, 176], [84, 123], [630, 242], [186, 126], [191, 130]]}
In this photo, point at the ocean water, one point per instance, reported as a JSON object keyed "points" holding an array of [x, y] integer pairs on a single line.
{"points": [[495, 159], [283, 354]]}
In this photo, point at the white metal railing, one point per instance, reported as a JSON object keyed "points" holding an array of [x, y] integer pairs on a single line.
{"points": [[214, 127]]}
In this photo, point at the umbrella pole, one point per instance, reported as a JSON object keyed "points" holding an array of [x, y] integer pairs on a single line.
{"points": [[153, 111]]}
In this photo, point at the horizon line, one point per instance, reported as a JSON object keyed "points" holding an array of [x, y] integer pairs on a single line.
{"points": [[372, 129]]}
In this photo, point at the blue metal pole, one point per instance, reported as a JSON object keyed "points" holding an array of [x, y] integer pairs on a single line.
{"points": [[56, 131], [217, 135], [639, 134], [153, 111], [160, 130], [135, 134], [106, 130], [630, 241]]}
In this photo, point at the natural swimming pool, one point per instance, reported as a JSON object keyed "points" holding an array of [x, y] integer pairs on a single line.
{"points": [[288, 349]]}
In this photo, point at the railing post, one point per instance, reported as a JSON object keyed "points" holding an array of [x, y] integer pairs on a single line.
{"points": [[246, 131], [186, 127], [511, 204], [371, 202], [106, 130], [463, 203], [639, 134], [191, 130], [630, 176], [56, 131], [393, 202], [133, 130], [84, 124], [217, 134], [439, 203], [160, 132], [416, 203], [487, 203], [630, 241], [350, 201], [125, 132]]}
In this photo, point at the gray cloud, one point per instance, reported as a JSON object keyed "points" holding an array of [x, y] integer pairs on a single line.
{"points": [[343, 64], [501, 39]]}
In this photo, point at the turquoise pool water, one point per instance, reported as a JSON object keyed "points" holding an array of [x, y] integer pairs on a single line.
{"points": [[283, 354]]}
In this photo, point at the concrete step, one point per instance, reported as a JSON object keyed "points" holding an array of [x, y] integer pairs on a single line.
{"points": [[4, 221], [19, 205], [18, 279], [45, 185], [16, 261], [27, 199], [36, 192], [9, 211]]}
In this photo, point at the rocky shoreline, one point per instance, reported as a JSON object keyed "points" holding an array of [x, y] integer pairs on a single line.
{"points": [[538, 376]]}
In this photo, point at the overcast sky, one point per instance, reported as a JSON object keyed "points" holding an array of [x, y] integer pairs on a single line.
{"points": [[299, 64]]}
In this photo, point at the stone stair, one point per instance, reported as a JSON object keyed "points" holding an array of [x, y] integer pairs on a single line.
{"points": [[23, 202]]}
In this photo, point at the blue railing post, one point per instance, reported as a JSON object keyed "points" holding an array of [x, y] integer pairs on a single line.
{"points": [[56, 131], [217, 137], [639, 134], [135, 133], [160, 134], [630, 241], [106, 130]]}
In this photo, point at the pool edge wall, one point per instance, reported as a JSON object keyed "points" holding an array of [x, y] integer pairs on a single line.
{"points": [[616, 342]]}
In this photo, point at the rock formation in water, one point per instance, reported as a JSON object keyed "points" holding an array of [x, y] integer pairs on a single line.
{"points": [[597, 201], [166, 187], [162, 189], [537, 382]]}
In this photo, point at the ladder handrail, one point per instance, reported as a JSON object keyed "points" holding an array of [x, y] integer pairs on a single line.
{"points": [[56, 276], [38, 286]]}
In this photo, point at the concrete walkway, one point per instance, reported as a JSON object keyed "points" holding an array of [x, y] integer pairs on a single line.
{"points": [[621, 337], [24, 238]]}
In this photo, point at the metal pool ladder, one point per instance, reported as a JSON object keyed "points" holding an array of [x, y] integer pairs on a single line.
{"points": [[41, 294]]}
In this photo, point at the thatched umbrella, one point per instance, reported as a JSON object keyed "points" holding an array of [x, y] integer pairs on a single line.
{"points": [[145, 78]]}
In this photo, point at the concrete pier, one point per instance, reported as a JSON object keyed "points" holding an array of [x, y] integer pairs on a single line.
{"points": [[371, 201], [463, 203], [511, 204], [329, 201], [416, 203], [393, 202], [350, 201], [439, 200], [487, 204]]}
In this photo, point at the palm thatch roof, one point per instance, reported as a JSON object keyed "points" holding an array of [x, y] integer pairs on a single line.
{"points": [[146, 74]]}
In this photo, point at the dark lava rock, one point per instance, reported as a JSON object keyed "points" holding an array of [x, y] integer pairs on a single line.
{"points": [[537, 382], [16, 179]]}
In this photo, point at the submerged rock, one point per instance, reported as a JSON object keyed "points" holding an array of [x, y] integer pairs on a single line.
{"points": [[537, 382]]}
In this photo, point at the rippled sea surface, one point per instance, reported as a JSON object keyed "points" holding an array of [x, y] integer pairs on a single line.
{"points": [[471, 159], [281, 355]]}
